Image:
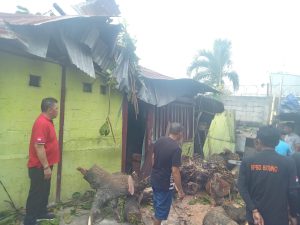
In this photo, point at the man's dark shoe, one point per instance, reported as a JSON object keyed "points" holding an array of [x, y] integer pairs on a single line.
{"points": [[48, 216], [28, 220]]}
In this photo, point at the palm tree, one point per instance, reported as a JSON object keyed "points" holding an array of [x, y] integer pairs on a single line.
{"points": [[212, 67]]}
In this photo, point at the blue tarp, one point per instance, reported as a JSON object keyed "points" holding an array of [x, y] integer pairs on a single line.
{"points": [[289, 104]]}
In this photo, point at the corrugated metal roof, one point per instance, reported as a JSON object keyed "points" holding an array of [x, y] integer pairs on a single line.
{"points": [[151, 74], [83, 39], [159, 90], [86, 40]]}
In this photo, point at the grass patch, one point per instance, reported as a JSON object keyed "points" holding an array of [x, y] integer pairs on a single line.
{"points": [[203, 200]]}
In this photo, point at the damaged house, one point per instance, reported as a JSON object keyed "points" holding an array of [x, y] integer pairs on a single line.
{"points": [[70, 58], [163, 100], [110, 111]]}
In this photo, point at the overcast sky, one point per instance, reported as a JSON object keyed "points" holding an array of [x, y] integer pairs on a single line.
{"points": [[264, 33]]}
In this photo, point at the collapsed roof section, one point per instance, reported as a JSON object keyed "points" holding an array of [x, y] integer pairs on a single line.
{"points": [[92, 44], [78, 40], [160, 90]]}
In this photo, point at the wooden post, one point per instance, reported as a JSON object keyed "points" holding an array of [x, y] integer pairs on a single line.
{"points": [[147, 166], [124, 132], [61, 131]]}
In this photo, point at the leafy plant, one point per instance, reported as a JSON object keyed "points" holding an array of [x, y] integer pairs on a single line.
{"points": [[121, 208], [52, 222], [204, 200], [12, 216], [107, 128]]}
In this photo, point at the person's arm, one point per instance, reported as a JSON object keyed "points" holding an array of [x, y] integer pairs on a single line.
{"points": [[289, 150], [243, 187], [243, 190], [297, 147], [41, 154], [177, 180], [293, 188], [297, 144], [176, 163], [152, 159]]}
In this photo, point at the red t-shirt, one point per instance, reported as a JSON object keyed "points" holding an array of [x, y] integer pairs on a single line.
{"points": [[43, 132]]}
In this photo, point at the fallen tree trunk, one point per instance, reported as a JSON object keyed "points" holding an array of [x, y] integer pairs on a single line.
{"points": [[132, 211], [218, 216], [110, 186], [235, 212]]}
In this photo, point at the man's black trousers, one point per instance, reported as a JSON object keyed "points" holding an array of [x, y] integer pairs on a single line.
{"points": [[39, 191]]}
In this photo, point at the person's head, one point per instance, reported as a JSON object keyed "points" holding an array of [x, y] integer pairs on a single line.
{"points": [[282, 134], [49, 106], [267, 136], [176, 131], [289, 127]]}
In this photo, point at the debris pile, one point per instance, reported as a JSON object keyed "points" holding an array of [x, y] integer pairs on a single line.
{"points": [[214, 176], [217, 178]]}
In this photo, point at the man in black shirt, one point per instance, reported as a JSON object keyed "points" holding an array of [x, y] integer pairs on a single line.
{"points": [[268, 182], [166, 163]]}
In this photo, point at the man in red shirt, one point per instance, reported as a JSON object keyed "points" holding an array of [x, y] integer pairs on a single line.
{"points": [[43, 154]]}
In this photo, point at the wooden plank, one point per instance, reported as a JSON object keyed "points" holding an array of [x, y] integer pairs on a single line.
{"points": [[124, 132], [147, 166]]}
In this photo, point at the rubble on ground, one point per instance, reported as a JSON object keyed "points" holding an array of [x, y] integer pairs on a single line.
{"points": [[215, 177]]}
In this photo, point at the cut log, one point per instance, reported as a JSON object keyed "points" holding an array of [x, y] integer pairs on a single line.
{"points": [[146, 196], [132, 211], [235, 212], [217, 216], [109, 186], [218, 188], [192, 188]]}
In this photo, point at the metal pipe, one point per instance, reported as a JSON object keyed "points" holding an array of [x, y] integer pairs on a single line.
{"points": [[61, 130]]}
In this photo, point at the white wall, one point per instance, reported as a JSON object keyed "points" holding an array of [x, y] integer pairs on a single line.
{"points": [[249, 108]]}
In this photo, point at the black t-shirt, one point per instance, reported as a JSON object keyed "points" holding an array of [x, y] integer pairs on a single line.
{"points": [[266, 182], [167, 154]]}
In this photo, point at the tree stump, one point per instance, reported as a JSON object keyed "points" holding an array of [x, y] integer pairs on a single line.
{"points": [[235, 212], [192, 188], [217, 216], [108, 187], [132, 211], [218, 188], [146, 196]]}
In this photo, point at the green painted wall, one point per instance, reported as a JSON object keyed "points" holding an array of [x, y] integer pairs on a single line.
{"points": [[85, 113], [83, 146]]}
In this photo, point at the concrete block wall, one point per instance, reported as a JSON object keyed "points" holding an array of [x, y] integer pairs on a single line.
{"points": [[249, 108]]}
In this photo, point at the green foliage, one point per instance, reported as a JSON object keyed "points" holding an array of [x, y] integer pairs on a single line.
{"points": [[211, 67], [121, 208], [204, 200], [128, 43], [238, 200], [14, 215], [52, 222], [104, 129]]}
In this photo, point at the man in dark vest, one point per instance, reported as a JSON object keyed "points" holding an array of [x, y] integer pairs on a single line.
{"points": [[268, 182]]}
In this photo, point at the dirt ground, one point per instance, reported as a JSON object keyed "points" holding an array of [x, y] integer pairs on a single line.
{"points": [[181, 213]]}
